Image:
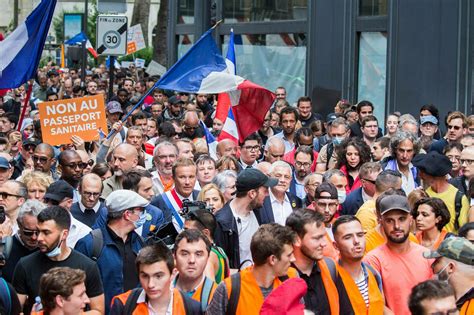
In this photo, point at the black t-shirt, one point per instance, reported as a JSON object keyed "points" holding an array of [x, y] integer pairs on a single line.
{"points": [[17, 252], [30, 269]]}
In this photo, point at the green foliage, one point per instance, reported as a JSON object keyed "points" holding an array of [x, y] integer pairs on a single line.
{"points": [[146, 54]]}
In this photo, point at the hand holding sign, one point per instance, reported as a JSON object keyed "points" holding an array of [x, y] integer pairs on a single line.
{"points": [[63, 119], [78, 143]]}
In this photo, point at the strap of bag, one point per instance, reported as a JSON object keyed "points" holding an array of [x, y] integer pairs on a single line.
{"points": [[132, 301], [234, 294], [332, 268], [206, 293], [97, 243], [329, 153], [457, 208]]}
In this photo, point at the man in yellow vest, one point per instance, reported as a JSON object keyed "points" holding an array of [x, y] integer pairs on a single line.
{"points": [[362, 285], [319, 272], [244, 293]]}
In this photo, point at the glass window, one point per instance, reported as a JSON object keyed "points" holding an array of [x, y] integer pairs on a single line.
{"points": [[185, 42], [185, 11], [272, 60], [373, 70], [259, 10], [373, 7]]}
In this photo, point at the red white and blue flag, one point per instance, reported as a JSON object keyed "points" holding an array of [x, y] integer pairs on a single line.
{"points": [[78, 39], [203, 70], [21, 51]]}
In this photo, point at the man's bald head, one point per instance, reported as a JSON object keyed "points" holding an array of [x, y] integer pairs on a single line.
{"points": [[125, 158], [264, 167], [90, 178], [226, 147], [46, 149]]}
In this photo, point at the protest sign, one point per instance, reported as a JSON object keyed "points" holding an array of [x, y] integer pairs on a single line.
{"points": [[135, 40], [82, 117], [139, 63], [154, 68]]}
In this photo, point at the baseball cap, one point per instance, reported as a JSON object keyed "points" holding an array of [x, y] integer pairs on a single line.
{"points": [[32, 141], [331, 117], [175, 100], [456, 248], [326, 187], [428, 119], [394, 202], [114, 107], [59, 190], [4, 163], [123, 199], [433, 163], [53, 72], [251, 178]]}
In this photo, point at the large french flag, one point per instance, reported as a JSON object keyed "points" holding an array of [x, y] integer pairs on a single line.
{"points": [[203, 70], [78, 39], [21, 51]]}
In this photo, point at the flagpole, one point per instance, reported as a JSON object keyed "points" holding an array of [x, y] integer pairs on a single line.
{"points": [[124, 118], [23, 111]]}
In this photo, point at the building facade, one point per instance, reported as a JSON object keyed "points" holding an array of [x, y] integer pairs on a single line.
{"points": [[399, 54]]}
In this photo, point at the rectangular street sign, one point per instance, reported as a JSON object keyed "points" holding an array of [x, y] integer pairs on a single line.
{"points": [[112, 35]]}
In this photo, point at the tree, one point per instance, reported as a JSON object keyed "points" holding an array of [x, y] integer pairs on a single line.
{"points": [[160, 46], [141, 13]]}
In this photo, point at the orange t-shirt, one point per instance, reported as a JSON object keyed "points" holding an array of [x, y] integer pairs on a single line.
{"points": [[374, 239], [400, 273]]}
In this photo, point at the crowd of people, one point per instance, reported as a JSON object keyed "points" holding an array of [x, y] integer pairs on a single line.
{"points": [[308, 215]]}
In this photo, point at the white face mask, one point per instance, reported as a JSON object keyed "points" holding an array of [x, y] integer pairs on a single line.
{"points": [[55, 251], [341, 196]]}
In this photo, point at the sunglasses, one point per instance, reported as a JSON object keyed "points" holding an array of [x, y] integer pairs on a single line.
{"points": [[454, 127], [30, 233], [76, 165], [41, 159], [5, 195]]}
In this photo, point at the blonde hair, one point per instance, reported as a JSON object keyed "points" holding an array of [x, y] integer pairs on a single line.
{"points": [[39, 178], [208, 187]]}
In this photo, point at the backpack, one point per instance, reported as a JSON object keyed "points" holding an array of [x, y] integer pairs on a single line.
{"points": [[98, 243], [5, 296], [329, 152], [235, 285], [131, 302]]}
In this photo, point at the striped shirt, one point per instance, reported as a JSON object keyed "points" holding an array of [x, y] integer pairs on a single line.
{"points": [[364, 290]]}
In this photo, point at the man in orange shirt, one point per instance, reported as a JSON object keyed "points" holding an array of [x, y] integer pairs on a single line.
{"points": [[326, 203], [244, 293], [362, 285], [398, 261]]}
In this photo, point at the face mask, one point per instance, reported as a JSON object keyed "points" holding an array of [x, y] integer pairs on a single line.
{"points": [[341, 196], [55, 251], [337, 140], [141, 220], [441, 276]]}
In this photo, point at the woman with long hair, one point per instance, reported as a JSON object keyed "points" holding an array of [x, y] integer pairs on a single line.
{"points": [[431, 215], [350, 156]]}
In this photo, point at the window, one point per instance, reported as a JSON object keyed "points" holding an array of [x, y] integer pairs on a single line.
{"points": [[373, 70], [236, 11], [185, 42], [272, 60], [373, 7], [185, 11]]}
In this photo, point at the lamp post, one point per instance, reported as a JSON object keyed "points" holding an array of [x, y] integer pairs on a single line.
{"points": [[84, 50]]}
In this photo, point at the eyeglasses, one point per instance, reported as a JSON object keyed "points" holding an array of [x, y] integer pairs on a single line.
{"points": [[76, 165], [41, 159], [191, 128], [467, 161], [305, 164], [29, 147], [29, 233], [454, 127], [250, 148], [89, 194], [5, 195]]}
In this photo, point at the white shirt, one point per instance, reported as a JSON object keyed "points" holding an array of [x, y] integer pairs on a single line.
{"points": [[408, 182], [299, 189], [244, 165], [246, 227], [329, 232], [95, 208], [289, 146], [77, 231], [151, 311], [158, 186], [365, 197], [281, 211]]}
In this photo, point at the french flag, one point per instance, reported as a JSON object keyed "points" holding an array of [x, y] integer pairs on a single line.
{"points": [[78, 39], [211, 141], [203, 70], [21, 51]]}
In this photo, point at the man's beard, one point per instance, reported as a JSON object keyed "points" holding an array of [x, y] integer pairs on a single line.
{"points": [[398, 240]]}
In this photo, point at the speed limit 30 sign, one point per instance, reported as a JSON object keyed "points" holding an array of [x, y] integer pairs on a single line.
{"points": [[112, 35]]}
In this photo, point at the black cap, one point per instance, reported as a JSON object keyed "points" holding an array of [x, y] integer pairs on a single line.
{"points": [[53, 72], [251, 178], [59, 190], [175, 100], [433, 163], [31, 141]]}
